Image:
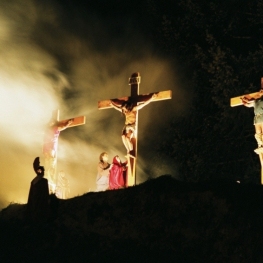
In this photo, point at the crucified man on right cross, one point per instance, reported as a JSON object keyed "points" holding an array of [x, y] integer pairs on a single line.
{"points": [[256, 100], [129, 110]]}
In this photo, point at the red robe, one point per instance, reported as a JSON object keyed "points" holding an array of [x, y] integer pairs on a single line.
{"points": [[116, 178]]}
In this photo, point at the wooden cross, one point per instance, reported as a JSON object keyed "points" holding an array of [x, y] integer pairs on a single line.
{"points": [[80, 120], [137, 100], [237, 101], [51, 143]]}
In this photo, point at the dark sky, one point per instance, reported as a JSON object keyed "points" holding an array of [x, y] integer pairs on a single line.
{"points": [[69, 55]]}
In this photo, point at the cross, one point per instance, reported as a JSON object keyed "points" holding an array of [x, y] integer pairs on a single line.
{"points": [[130, 134], [251, 97], [51, 143]]}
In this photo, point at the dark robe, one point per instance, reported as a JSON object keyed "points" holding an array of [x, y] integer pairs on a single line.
{"points": [[38, 199]]}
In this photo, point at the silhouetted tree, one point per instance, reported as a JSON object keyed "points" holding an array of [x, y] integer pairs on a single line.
{"points": [[217, 46]]}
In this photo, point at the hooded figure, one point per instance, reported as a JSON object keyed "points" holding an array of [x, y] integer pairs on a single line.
{"points": [[116, 179], [38, 198]]}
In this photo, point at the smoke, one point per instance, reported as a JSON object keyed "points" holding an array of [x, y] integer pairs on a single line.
{"points": [[45, 65]]}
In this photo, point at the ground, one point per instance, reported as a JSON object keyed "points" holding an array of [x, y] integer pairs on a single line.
{"points": [[161, 220]]}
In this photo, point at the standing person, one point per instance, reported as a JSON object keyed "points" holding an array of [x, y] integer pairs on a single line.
{"points": [[63, 188], [257, 102], [129, 110], [50, 149], [117, 179], [102, 180], [38, 198]]}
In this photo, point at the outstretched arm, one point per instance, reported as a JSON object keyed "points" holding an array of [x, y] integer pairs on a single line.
{"points": [[115, 106], [248, 102], [65, 125], [140, 106]]}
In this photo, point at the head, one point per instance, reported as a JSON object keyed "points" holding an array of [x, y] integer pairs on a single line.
{"points": [[127, 106], [40, 171], [104, 157], [116, 159], [52, 122]]}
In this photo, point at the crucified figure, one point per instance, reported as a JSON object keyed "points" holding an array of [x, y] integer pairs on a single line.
{"points": [[129, 106], [50, 148], [256, 101], [129, 110], [51, 137], [50, 144]]}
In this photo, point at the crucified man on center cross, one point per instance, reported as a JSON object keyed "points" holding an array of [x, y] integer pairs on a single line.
{"points": [[129, 106], [129, 109]]}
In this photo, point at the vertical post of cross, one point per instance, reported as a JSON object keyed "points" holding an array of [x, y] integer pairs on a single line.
{"points": [[134, 82]]}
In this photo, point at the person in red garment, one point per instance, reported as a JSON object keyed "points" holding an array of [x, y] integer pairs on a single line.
{"points": [[116, 178]]}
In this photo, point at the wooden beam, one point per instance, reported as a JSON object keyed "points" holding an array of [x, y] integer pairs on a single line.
{"points": [[236, 101], [105, 104], [76, 121], [161, 95], [131, 177], [80, 120]]}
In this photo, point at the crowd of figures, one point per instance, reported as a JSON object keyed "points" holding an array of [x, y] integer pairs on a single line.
{"points": [[111, 176]]}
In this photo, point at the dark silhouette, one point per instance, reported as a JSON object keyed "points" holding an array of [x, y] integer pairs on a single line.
{"points": [[161, 220], [38, 198]]}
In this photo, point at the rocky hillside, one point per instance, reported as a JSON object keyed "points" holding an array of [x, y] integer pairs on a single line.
{"points": [[161, 220]]}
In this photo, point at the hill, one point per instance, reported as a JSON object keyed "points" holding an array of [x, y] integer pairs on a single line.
{"points": [[161, 220]]}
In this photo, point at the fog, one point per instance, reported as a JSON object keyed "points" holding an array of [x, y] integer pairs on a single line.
{"points": [[46, 65]]}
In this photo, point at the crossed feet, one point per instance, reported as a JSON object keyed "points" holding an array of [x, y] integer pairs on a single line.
{"points": [[128, 155]]}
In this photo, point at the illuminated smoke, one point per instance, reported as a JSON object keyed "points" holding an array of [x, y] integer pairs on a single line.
{"points": [[44, 67]]}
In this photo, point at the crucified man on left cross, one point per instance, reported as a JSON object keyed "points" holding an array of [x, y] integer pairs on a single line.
{"points": [[50, 145]]}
